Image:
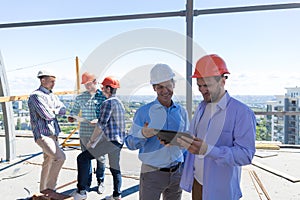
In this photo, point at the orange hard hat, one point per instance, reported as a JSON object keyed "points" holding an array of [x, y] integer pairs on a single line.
{"points": [[87, 77], [210, 65], [111, 81]]}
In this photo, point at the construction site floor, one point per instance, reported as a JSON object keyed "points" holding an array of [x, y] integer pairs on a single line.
{"points": [[274, 174]]}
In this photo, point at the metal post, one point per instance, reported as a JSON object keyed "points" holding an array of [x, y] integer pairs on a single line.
{"points": [[77, 75], [8, 115], [189, 55]]}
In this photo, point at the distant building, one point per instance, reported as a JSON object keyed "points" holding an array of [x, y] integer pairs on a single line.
{"points": [[285, 128], [275, 123], [291, 122]]}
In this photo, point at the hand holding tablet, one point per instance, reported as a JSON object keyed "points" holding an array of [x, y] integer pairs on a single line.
{"points": [[170, 137]]}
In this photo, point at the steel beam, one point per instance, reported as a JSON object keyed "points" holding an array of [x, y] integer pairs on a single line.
{"points": [[152, 15]]}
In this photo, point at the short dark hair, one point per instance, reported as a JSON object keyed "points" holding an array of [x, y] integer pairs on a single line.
{"points": [[41, 77], [111, 89]]}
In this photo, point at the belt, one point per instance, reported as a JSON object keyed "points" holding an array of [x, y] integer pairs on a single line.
{"points": [[171, 169]]}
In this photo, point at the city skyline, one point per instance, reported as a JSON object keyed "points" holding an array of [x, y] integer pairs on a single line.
{"points": [[260, 48]]}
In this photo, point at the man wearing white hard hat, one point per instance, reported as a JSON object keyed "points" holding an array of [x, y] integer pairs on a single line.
{"points": [[44, 106], [161, 165]]}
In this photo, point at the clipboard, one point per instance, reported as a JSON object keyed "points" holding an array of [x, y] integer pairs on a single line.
{"points": [[170, 137]]}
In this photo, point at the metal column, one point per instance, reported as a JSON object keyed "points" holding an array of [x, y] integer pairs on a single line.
{"points": [[189, 55], [8, 115]]}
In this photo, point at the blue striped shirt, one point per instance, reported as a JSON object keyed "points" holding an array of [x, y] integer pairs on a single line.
{"points": [[43, 107], [151, 152], [112, 120], [89, 105]]}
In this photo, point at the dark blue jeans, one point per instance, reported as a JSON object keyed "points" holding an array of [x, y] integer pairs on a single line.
{"points": [[100, 169], [100, 172], [112, 149]]}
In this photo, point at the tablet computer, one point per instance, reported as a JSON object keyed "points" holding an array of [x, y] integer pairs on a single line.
{"points": [[170, 137]]}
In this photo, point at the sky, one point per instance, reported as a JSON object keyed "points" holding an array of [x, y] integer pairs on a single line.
{"points": [[261, 49]]}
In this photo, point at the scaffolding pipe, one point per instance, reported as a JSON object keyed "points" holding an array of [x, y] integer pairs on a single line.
{"points": [[93, 19], [247, 9], [189, 55], [153, 15]]}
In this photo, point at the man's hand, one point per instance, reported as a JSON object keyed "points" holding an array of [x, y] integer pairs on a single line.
{"points": [[89, 144], [148, 132], [71, 119], [94, 122], [194, 146]]}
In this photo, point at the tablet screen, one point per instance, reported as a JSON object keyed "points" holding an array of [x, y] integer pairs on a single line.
{"points": [[170, 137]]}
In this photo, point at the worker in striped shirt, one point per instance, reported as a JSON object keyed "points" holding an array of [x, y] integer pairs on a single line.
{"points": [[44, 106]]}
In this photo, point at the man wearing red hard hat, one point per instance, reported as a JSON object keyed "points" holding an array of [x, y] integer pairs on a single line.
{"points": [[224, 131], [107, 138], [88, 103]]}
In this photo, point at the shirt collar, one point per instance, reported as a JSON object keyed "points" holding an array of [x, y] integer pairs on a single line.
{"points": [[223, 101], [45, 90], [173, 105], [98, 92]]}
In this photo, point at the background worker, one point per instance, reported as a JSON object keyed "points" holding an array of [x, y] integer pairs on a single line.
{"points": [[161, 165], [224, 131], [44, 106], [88, 102], [107, 138]]}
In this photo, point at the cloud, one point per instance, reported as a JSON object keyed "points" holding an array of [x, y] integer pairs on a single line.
{"points": [[262, 83]]}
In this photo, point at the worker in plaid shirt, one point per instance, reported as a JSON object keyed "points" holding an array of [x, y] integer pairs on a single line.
{"points": [[89, 103], [107, 138]]}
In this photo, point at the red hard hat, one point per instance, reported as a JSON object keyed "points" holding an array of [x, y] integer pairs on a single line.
{"points": [[87, 77], [210, 65], [111, 81]]}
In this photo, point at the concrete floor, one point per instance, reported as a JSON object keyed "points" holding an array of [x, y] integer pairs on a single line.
{"points": [[19, 179]]}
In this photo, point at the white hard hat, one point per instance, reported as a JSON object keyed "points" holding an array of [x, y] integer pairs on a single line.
{"points": [[161, 73], [44, 72]]}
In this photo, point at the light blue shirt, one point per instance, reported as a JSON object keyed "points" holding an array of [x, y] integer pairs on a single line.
{"points": [[151, 152], [230, 135]]}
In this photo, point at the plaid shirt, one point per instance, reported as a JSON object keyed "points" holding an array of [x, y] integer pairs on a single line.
{"points": [[43, 106], [111, 119], [89, 106]]}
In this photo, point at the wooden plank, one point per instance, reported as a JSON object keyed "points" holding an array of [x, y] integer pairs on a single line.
{"points": [[276, 172], [265, 154], [267, 146], [25, 97], [258, 181]]}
